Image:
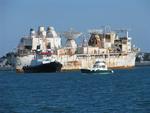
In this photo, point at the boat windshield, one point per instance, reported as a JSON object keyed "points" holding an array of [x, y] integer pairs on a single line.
{"points": [[99, 66], [95, 66], [99, 62], [103, 66]]}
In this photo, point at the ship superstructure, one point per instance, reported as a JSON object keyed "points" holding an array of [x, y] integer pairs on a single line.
{"points": [[114, 47], [43, 42]]}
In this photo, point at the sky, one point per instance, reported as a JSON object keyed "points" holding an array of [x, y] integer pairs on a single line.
{"points": [[18, 16]]}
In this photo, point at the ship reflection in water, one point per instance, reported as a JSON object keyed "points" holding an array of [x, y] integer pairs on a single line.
{"points": [[113, 47]]}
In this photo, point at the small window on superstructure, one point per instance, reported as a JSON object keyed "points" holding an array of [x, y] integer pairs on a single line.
{"points": [[38, 47], [103, 66], [49, 45]]}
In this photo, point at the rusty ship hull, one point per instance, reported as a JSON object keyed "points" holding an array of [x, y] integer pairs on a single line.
{"points": [[78, 61]]}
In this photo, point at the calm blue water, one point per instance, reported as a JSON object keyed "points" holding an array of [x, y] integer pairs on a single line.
{"points": [[125, 91]]}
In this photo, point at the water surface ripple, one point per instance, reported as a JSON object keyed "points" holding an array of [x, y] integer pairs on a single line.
{"points": [[125, 91]]}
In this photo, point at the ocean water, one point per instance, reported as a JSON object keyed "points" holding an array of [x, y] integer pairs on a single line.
{"points": [[125, 91]]}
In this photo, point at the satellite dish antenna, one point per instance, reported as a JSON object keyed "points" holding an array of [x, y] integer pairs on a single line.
{"points": [[71, 36]]}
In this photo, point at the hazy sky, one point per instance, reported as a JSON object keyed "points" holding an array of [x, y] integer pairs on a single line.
{"points": [[18, 16]]}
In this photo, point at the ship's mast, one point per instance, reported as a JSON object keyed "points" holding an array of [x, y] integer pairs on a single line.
{"points": [[124, 31]]}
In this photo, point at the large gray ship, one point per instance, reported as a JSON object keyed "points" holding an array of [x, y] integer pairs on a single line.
{"points": [[114, 47]]}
